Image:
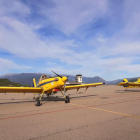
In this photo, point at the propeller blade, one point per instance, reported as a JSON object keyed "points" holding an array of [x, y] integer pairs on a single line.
{"points": [[70, 74], [57, 74]]}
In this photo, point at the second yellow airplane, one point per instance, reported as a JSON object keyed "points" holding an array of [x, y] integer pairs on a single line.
{"points": [[127, 84]]}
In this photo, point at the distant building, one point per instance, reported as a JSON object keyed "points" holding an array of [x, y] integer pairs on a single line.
{"points": [[79, 78]]}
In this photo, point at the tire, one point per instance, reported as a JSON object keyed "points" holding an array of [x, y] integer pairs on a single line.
{"points": [[67, 99], [37, 102]]}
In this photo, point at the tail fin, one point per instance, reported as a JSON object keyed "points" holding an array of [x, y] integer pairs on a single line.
{"points": [[138, 80], [34, 83], [125, 80]]}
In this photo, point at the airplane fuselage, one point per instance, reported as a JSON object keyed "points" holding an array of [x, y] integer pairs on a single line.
{"points": [[50, 84]]}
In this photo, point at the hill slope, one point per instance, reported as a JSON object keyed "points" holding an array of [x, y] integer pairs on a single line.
{"points": [[7, 82]]}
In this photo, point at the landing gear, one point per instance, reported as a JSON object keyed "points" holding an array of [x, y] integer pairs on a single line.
{"points": [[37, 102], [47, 96], [34, 96], [67, 100]]}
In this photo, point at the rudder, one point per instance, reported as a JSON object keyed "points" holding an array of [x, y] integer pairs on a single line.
{"points": [[125, 80], [138, 80], [34, 83]]}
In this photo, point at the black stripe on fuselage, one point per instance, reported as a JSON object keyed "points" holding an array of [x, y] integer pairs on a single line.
{"points": [[45, 83]]}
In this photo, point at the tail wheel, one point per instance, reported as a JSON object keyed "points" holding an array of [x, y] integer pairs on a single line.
{"points": [[37, 102], [67, 100]]}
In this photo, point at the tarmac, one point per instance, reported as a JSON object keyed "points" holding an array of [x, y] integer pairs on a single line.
{"points": [[106, 112]]}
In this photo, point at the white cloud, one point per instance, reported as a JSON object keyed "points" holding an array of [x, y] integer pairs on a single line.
{"points": [[60, 70], [6, 65], [21, 40], [70, 15], [130, 68], [8, 7]]}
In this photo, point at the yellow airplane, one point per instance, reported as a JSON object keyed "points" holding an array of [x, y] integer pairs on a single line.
{"points": [[127, 84], [48, 86]]}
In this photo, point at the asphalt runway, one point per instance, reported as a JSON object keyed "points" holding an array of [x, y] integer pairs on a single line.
{"points": [[101, 113]]}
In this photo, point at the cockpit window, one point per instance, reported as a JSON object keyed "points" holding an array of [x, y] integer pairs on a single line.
{"points": [[43, 77]]}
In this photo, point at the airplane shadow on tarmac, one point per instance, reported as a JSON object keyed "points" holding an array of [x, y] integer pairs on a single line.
{"points": [[125, 91], [15, 102], [51, 98]]}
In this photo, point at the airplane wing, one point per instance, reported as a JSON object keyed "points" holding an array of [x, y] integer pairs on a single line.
{"points": [[20, 90], [128, 84], [82, 86]]}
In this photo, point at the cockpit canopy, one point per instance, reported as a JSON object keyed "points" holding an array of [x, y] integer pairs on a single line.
{"points": [[43, 77]]}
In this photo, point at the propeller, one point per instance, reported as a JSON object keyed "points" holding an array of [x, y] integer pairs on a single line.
{"points": [[70, 74], [63, 93], [60, 75], [57, 74]]}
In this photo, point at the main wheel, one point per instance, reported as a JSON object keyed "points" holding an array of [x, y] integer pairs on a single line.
{"points": [[37, 102], [67, 99]]}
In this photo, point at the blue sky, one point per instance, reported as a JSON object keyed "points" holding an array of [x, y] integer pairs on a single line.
{"points": [[92, 38]]}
